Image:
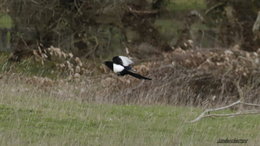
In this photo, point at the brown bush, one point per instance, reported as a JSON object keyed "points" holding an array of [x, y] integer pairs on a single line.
{"points": [[195, 77]]}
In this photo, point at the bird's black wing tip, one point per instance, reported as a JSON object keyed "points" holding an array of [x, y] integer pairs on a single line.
{"points": [[136, 75], [147, 79]]}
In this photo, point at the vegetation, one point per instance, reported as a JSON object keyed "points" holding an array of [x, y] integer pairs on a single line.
{"points": [[200, 54], [35, 117], [184, 5], [5, 21], [90, 29], [28, 67]]}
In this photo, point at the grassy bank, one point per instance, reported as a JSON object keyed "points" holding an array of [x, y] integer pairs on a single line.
{"points": [[29, 116]]}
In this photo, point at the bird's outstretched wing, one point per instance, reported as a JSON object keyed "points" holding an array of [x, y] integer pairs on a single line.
{"points": [[122, 60], [125, 72]]}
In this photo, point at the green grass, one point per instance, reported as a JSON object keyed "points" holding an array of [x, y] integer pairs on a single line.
{"points": [[5, 21], [32, 117], [29, 67], [179, 5]]}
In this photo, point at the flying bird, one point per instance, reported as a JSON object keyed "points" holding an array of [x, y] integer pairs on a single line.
{"points": [[121, 65], [124, 61]]}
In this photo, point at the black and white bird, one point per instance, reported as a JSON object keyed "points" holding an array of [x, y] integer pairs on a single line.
{"points": [[121, 65]]}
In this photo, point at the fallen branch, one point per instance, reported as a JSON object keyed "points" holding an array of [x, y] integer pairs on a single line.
{"points": [[207, 111], [234, 114]]}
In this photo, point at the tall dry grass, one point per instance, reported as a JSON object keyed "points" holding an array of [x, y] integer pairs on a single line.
{"points": [[194, 77]]}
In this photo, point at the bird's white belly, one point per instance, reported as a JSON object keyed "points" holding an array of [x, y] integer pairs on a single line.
{"points": [[117, 68]]}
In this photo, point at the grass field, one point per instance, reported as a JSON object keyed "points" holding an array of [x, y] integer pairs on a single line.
{"points": [[32, 116]]}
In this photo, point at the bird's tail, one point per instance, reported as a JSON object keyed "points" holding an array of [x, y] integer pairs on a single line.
{"points": [[137, 75]]}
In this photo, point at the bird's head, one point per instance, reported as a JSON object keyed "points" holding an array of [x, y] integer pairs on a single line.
{"points": [[109, 64]]}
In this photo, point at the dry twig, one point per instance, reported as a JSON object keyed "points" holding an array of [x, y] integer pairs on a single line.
{"points": [[207, 111], [144, 12]]}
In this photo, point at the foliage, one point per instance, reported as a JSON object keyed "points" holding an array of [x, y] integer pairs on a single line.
{"points": [[87, 28], [5, 21], [235, 20]]}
